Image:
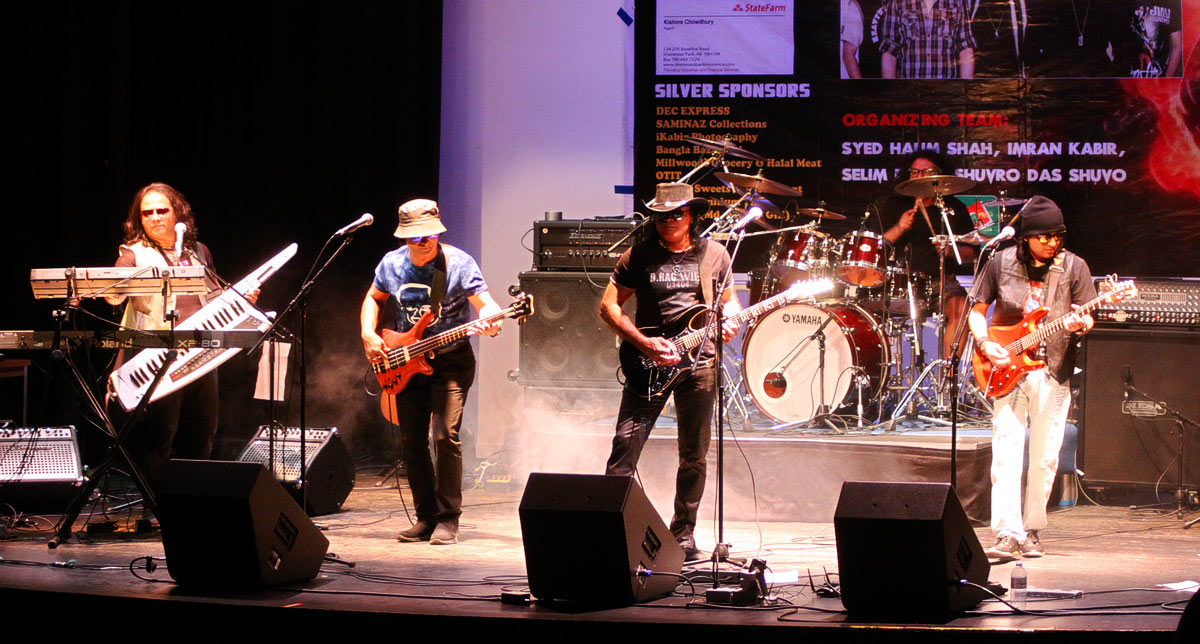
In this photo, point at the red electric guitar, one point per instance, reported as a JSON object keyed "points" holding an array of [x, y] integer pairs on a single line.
{"points": [[407, 351], [1021, 338]]}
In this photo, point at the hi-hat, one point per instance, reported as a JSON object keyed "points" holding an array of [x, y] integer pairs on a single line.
{"points": [[757, 183], [933, 185], [726, 146]]}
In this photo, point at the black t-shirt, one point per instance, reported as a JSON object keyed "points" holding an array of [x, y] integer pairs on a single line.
{"points": [[924, 253], [666, 284]]}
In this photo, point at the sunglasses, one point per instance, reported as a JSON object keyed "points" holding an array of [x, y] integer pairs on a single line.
{"points": [[418, 240], [674, 215], [1046, 239], [155, 211]]}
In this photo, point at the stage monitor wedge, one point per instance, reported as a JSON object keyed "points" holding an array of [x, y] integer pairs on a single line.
{"points": [[904, 548], [231, 525], [586, 538]]}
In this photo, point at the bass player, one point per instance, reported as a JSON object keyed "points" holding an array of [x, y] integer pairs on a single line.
{"points": [[425, 275], [1036, 272]]}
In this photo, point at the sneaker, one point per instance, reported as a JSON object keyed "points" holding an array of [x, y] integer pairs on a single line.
{"points": [[445, 534], [1031, 546], [1005, 548], [690, 551], [420, 531]]}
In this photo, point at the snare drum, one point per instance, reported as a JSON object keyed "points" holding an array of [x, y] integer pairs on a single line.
{"points": [[863, 260], [781, 364]]}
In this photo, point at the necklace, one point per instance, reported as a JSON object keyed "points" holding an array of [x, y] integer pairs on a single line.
{"points": [[1081, 28]]}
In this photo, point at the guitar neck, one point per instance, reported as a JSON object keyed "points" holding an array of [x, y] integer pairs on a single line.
{"points": [[1050, 329], [691, 340], [453, 335]]}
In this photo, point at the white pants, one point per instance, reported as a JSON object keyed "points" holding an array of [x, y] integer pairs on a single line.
{"points": [[1040, 402]]}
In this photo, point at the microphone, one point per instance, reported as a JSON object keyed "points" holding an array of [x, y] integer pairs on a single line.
{"points": [[753, 213], [180, 229], [365, 220], [1007, 233]]}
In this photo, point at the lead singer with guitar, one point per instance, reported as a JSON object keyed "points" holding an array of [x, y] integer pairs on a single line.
{"points": [[671, 272], [425, 275], [1037, 272]]}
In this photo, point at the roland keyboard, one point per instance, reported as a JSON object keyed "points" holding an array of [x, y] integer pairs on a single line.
{"points": [[228, 312]]}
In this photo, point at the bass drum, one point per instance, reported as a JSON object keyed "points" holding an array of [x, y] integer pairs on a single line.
{"points": [[781, 359]]}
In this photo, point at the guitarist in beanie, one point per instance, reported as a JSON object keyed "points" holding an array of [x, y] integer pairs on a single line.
{"points": [[1036, 272]]}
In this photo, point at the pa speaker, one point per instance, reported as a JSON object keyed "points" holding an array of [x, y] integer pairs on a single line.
{"points": [[904, 548], [40, 469], [566, 343], [595, 539], [231, 525], [1131, 440], [329, 468]]}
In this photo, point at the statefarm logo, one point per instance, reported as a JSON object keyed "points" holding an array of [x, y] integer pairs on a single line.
{"points": [[751, 7]]}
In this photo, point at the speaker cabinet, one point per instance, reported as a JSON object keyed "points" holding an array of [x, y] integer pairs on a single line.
{"points": [[566, 343], [902, 549], [1132, 441], [40, 469], [329, 468], [587, 536], [231, 525]]}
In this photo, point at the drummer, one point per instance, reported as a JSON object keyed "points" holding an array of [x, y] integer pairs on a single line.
{"points": [[909, 224]]}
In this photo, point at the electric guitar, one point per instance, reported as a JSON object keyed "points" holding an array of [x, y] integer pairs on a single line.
{"points": [[688, 332], [1020, 339], [408, 352]]}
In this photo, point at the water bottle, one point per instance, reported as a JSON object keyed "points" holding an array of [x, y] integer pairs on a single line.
{"points": [[1019, 585]]}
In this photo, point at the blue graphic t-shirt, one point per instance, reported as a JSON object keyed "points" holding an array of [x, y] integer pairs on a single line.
{"points": [[411, 287]]}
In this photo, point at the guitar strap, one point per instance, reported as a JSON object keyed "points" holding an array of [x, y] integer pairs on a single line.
{"points": [[438, 290], [1056, 271], [706, 262]]}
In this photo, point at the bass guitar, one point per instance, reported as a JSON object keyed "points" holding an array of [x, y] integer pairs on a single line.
{"points": [[408, 352], [1020, 339], [688, 332]]}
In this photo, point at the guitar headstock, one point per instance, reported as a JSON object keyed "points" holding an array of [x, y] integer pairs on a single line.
{"points": [[522, 306], [1113, 291], [808, 288]]}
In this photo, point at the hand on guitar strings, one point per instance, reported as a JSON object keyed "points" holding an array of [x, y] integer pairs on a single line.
{"points": [[661, 351], [479, 327]]}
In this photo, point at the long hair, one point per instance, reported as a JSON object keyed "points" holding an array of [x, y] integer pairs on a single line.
{"points": [[134, 232]]}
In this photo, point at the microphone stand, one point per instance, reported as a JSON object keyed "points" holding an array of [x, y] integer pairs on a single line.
{"points": [[301, 300], [1183, 422], [721, 549]]}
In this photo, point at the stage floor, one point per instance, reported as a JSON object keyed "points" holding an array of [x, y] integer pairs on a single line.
{"points": [[1121, 559]]}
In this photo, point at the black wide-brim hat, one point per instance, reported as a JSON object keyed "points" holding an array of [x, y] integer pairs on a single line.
{"points": [[672, 196]]}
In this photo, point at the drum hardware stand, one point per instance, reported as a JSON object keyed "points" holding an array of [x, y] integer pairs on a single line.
{"points": [[823, 414]]}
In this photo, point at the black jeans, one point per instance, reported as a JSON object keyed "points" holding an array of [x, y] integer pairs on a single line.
{"points": [[694, 397], [433, 406]]}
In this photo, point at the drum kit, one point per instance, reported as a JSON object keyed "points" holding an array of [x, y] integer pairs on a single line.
{"points": [[854, 358]]}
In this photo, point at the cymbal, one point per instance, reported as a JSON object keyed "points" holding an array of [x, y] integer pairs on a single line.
{"points": [[933, 185], [1011, 201], [726, 146], [757, 183], [974, 238], [820, 213]]}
